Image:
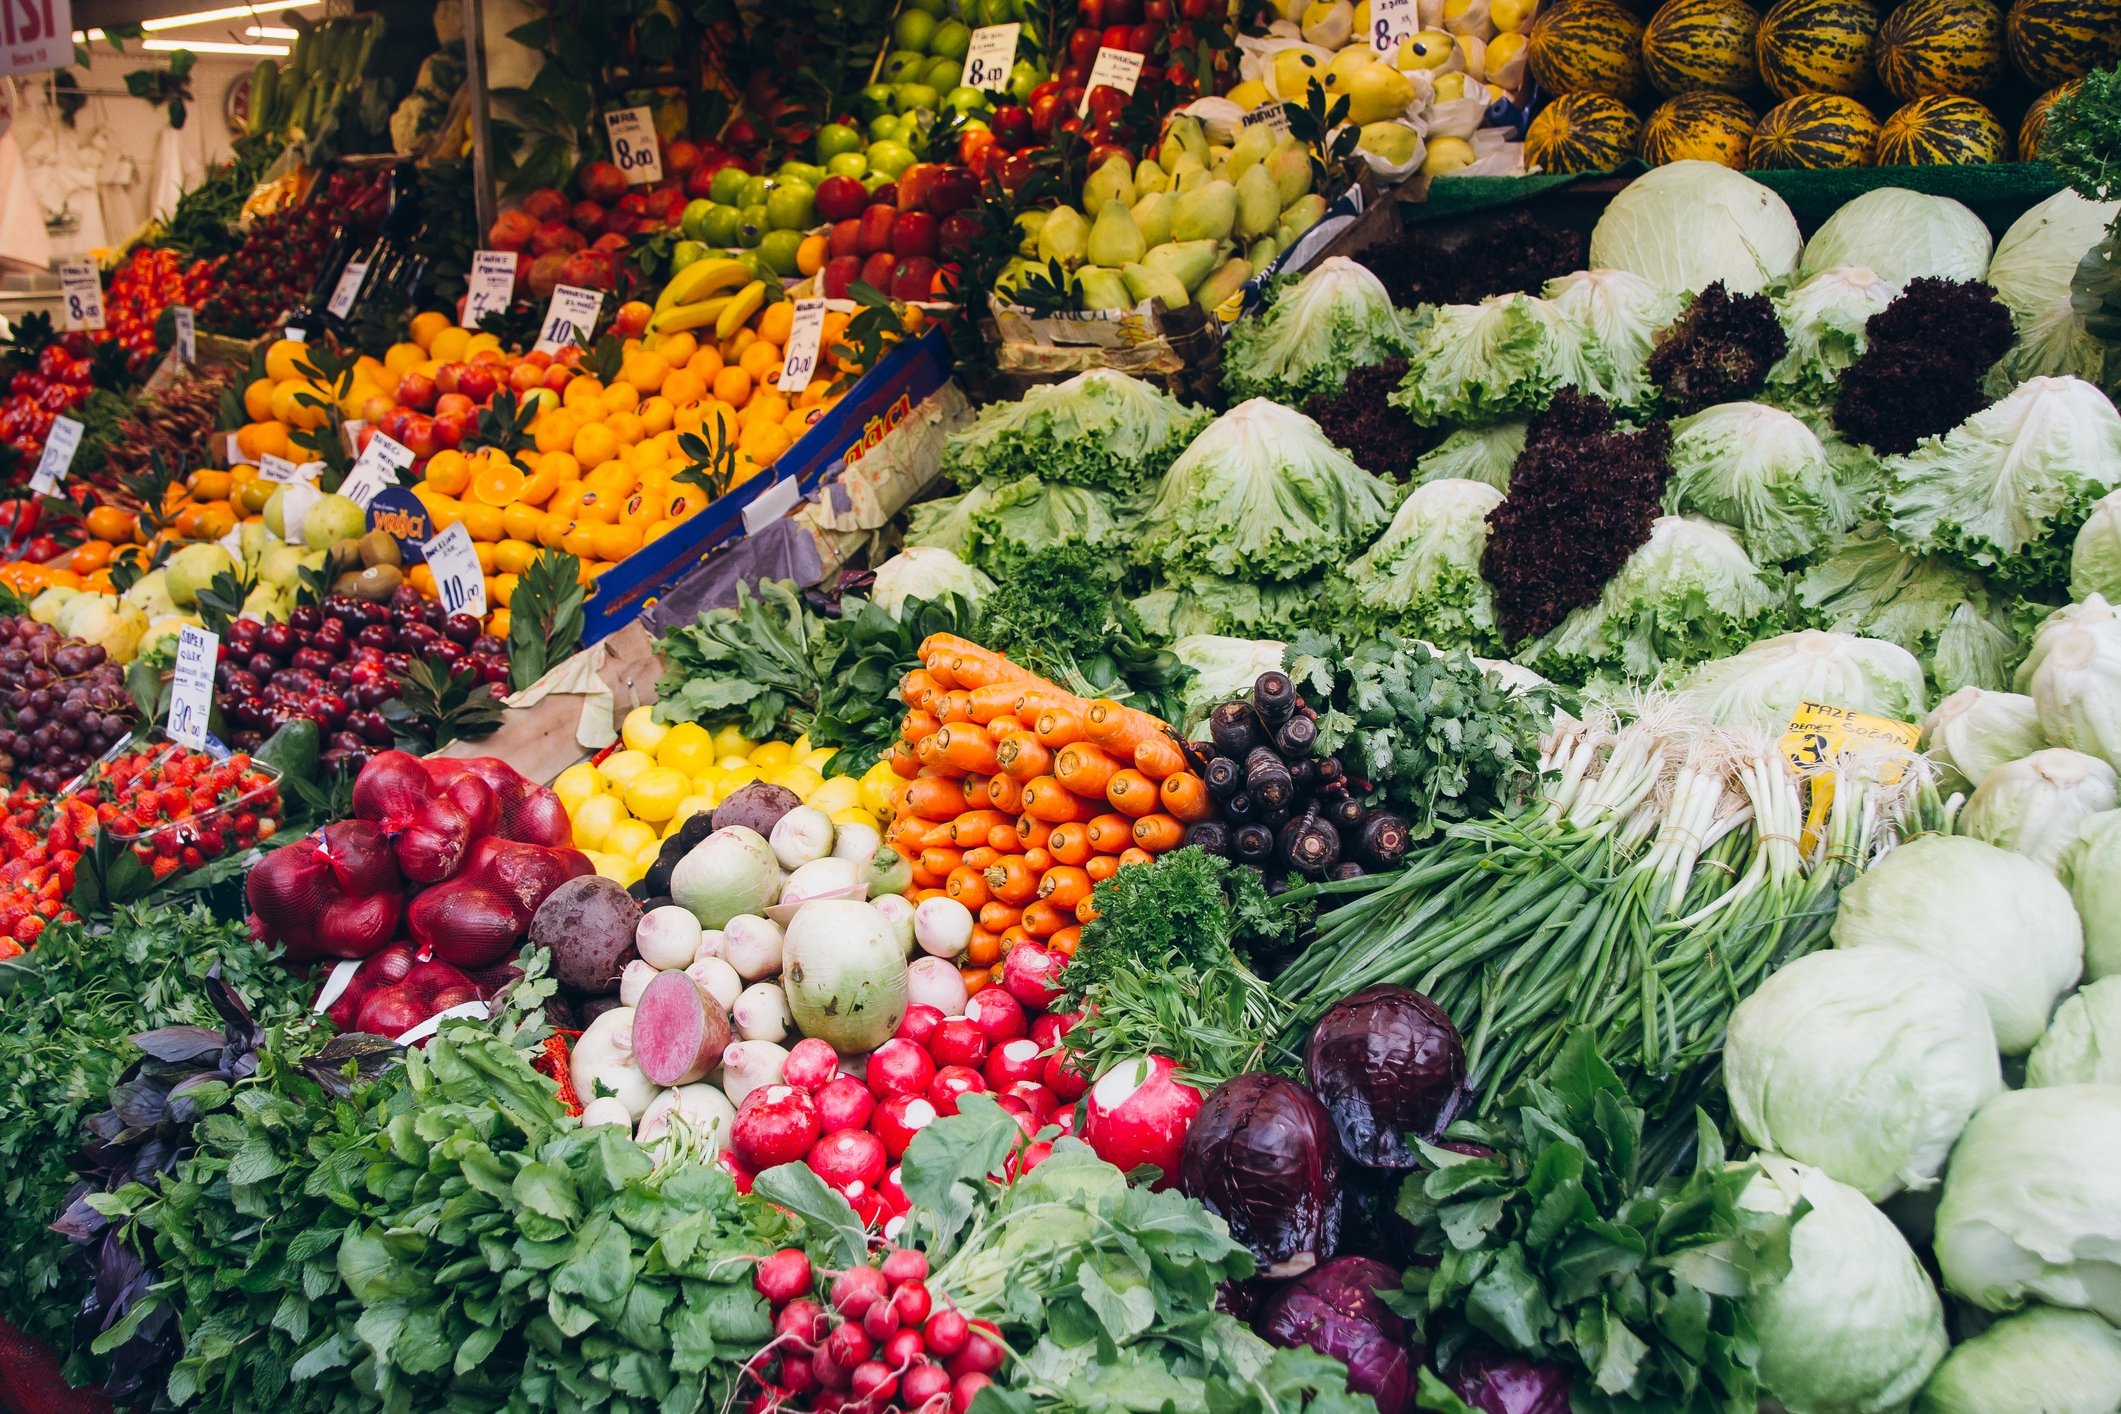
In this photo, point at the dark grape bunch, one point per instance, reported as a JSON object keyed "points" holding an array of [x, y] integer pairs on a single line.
{"points": [[63, 703]]}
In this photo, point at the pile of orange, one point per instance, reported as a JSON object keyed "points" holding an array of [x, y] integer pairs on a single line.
{"points": [[275, 406]]}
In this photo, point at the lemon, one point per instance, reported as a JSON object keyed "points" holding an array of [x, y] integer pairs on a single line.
{"points": [[687, 748], [646, 858], [629, 837], [800, 779], [576, 784], [611, 866], [856, 815], [739, 775], [879, 784], [641, 731], [818, 758], [711, 785], [735, 763], [690, 806], [595, 819], [654, 794], [730, 741], [621, 767], [837, 793], [772, 755]]}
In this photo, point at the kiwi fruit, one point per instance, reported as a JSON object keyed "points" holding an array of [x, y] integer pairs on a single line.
{"points": [[376, 583], [379, 547]]}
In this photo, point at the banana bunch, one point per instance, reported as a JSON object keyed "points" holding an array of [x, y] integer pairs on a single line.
{"points": [[326, 65], [711, 291]]}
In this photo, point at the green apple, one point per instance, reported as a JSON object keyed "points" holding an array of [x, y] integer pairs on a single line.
{"points": [[909, 97], [728, 184], [756, 263], [952, 38], [902, 65], [914, 29], [836, 138], [872, 179], [940, 74], [847, 164], [723, 225], [778, 250], [874, 99], [809, 173], [755, 225], [991, 12], [792, 206], [890, 158], [934, 8], [965, 100], [753, 192], [693, 223], [884, 127], [1023, 77], [686, 253]]}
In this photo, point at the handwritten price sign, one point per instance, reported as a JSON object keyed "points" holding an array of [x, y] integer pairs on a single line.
{"points": [[990, 57], [191, 687], [634, 148], [81, 287], [571, 314], [455, 563]]}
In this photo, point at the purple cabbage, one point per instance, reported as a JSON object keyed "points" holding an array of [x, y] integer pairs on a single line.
{"points": [[1497, 1382], [1335, 1310], [1261, 1156], [1388, 1066]]}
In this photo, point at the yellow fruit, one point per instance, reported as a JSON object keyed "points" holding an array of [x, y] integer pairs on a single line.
{"points": [[577, 784], [645, 860], [641, 731], [621, 767], [629, 837], [731, 741], [800, 779], [595, 819], [772, 755], [856, 815], [687, 748], [610, 866], [741, 774], [837, 793], [879, 784], [654, 794]]}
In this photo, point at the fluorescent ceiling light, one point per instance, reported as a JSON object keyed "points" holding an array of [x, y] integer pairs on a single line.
{"points": [[271, 32], [201, 46], [206, 17]]}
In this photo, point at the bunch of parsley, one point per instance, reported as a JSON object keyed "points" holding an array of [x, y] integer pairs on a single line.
{"points": [[1060, 614]]}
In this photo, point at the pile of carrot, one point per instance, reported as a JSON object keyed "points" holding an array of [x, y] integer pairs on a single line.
{"points": [[1020, 797]]}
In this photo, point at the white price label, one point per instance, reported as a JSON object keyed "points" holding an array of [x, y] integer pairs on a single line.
{"points": [[81, 290], [570, 317], [989, 58], [493, 285], [1392, 23], [1272, 115], [634, 149], [285, 472], [348, 289], [805, 332], [191, 688], [771, 504], [1115, 68], [455, 564], [60, 444], [187, 333], [295, 334], [377, 469]]}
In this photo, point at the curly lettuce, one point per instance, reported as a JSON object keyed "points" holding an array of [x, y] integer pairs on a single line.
{"points": [[1484, 454], [1336, 318], [945, 523], [1942, 614], [1099, 428], [1504, 357], [2005, 491], [1824, 318], [1199, 604], [1422, 577], [1759, 469], [1619, 315], [1019, 518], [1261, 494]]}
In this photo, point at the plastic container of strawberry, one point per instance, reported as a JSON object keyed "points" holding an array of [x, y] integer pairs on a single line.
{"points": [[177, 808]]}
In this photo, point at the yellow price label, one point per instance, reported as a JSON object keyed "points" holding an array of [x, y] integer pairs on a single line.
{"points": [[1816, 737]]}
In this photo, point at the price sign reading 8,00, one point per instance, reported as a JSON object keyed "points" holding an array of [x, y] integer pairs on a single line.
{"points": [[1392, 22], [989, 57], [634, 148]]}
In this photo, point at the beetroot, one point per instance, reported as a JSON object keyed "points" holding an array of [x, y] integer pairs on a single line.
{"points": [[588, 923], [466, 923], [679, 1032], [775, 1125]]}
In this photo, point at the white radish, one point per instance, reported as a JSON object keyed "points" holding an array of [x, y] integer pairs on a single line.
{"points": [[856, 842], [749, 1064], [605, 1110], [713, 943], [703, 1107], [753, 946], [931, 981], [667, 937], [826, 878], [761, 1013], [634, 981], [802, 835], [679, 1031], [603, 1057], [718, 979], [943, 927], [898, 912]]}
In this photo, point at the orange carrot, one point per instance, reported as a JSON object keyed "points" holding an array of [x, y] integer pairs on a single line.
{"points": [[994, 702], [954, 706], [1066, 940], [941, 647], [1084, 769], [1058, 726], [980, 856], [922, 879], [1064, 886], [1005, 792], [924, 752], [1131, 793], [939, 670], [1158, 833], [917, 688], [937, 837], [1101, 867], [967, 885], [976, 979], [904, 832], [1043, 920], [1021, 756], [969, 830], [1086, 909], [936, 798], [1031, 833], [975, 666], [965, 746], [916, 725], [1040, 859], [1002, 838], [1159, 758], [975, 788], [1136, 855], [923, 895], [1069, 843], [904, 763], [1110, 833], [996, 915], [1012, 936], [1047, 799], [986, 947], [1119, 729], [939, 860], [1038, 696], [1185, 796], [1012, 881]]}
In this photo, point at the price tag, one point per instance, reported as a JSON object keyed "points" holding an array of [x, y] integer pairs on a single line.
{"points": [[634, 149], [804, 334], [60, 444], [771, 504], [348, 289], [493, 285], [295, 334], [380, 462], [1272, 115], [1817, 735], [191, 688], [1115, 68], [81, 288], [285, 472], [1392, 23], [187, 333], [458, 581], [569, 317], [989, 58]]}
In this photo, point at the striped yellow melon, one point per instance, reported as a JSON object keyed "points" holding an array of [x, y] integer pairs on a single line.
{"points": [[1814, 130], [1702, 127], [1701, 44], [1816, 46], [1581, 132], [2033, 126], [1941, 130], [1589, 46], [2053, 41], [1940, 46]]}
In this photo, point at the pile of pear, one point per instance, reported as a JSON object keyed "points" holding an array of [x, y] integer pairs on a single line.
{"points": [[1187, 226]]}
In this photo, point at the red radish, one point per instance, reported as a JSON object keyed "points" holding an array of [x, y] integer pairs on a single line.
{"points": [[1065, 1118], [946, 1332], [899, 1067], [802, 1319], [679, 1032], [893, 1226], [729, 1163], [898, 1119], [893, 1191], [848, 1157], [1032, 1156], [959, 1042], [950, 1082], [998, 1014], [1020, 1112], [848, 1346], [873, 1381], [796, 1377], [1048, 1027], [868, 1204], [810, 1064], [1040, 1100], [880, 1322], [903, 1349], [843, 1103], [1032, 975], [783, 1276], [923, 1382], [1014, 1061], [920, 1024], [983, 1347], [775, 1125], [1063, 1076], [910, 1302], [855, 1290], [964, 1389], [903, 1264], [1137, 1114], [827, 1370]]}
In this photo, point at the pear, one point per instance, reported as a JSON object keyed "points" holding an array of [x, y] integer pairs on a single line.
{"points": [[1227, 280], [1104, 289], [1188, 262], [1303, 213], [1218, 158], [1114, 181], [1065, 237], [1193, 179], [1263, 252], [1012, 274], [1258, 208], [1144, 283], [1152, 214], [1027, 225], [1290, 167], [1209, 211], [252, 539], [1149, 177], [1185, 135], [1115, 240], [1251, 148]]}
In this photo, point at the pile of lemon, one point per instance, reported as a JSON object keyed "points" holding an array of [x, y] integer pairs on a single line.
{"points": [[624, 806]]}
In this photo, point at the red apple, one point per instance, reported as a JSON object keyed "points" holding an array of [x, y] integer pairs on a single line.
{"points": [[875, 231], [545, 204], [840, 273], [511, 230], [1142, 38], [845, 238], [446, 380], [419, 438], [416, 391], [1046, 110], [913, 185], [450, 429], [545, 272], [1011, 124], [478, 383], [454, 401], [953, 188], [913, 278], [558, 375], [601, 181], [591, 269], [957, 231], [1083, 44], [839, 198], [699, 182], [914, 233], [680, 157], [611, 242], [525, 376], [878, 269], [552, 236]]}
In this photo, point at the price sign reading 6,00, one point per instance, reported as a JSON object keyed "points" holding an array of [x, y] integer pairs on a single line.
{"points": [[634, 149]]}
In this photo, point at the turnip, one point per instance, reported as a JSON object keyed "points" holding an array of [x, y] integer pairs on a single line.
{"points": [[800, 836], [1138, 1113], [1013, 1061], [761, 1013], [898, 911], [667, 937], [634, 981], [887, 872], [706, 1109], [943, 927], [820, 879], [605, 1110], [931, 981], [857, 842], [951, 1082], [848, 1156], [899, 1067], [753, 945], [718, 979], [998, 1014], [844, 974], [1031, 974], [731, 872], [844, 1103], [712, 944], [775, 1125], [811, 1063], [679, 1031], [748, 1065], [603, 1063]]}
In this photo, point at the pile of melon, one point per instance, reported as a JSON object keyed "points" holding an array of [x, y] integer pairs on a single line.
{"points": [[1808, 83]]}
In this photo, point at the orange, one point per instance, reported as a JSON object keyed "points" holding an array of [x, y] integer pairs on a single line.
{"points": [[646, 371], [658, 412], [615, 542], [594, 445], [484, 550], [707, 362], [538, 487], [421, 578], [484, 522], [642, 456], [600, 507], [285, 360], [620, 397], [567, 500], [626, 426], [677, 349], [257, 400], [800, 421], [520, 521], [811, 255], [775, 321], [449, 471], [733, 386], [762, 360], [92, 555], [684, 501], [481, 343], [562, 466], [657, 531], [500, 589], [834, 329], [428, 323], [514, 554], [553, 528], [579, 541], [581, 391], [444, 511], [497, 626], [683, 387], [767, 406], [448, 344], [718, 419], [116, 525], [497, 482], [644, 508], [741, 340], [766, 441]]}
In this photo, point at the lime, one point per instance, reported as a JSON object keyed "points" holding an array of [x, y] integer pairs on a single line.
{"points": [[809, 173], [686, 253], [901, 65], [909, 97], [884, 127], [942, 74], [779, 249], [728, 183], [847, 164], [874, 99], [723, 225], [951, 37], [914, 29], [835, 138], [965, 100]]}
